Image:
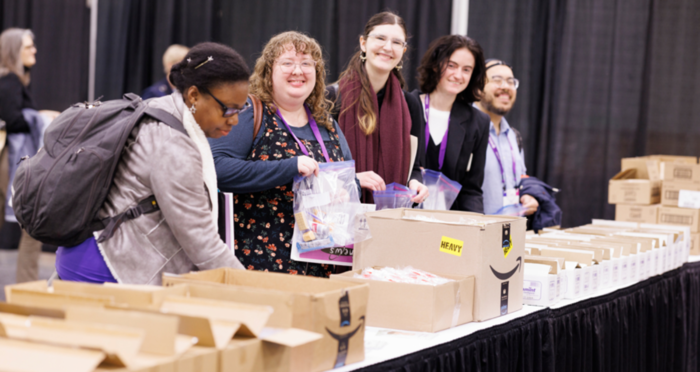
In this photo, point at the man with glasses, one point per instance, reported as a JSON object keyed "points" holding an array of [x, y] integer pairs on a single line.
{"points": [[505, 163]]}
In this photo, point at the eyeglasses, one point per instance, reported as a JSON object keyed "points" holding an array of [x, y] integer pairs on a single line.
{"points": [[229, 111], [287, 65], [510, 82], [395, 43]]}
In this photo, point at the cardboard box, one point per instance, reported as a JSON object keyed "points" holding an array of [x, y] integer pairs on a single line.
{"points": [[424, 308], [253, 354], [336, 310], [490, 248], [541, 283], [626, 187], [646, 168], [637, 213], [695, 244], [17, 355], [671, 189], [680, 172], [680, 216], [674, 159]]}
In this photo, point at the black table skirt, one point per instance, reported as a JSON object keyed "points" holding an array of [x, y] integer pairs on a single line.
{"points": [[651, 326]]}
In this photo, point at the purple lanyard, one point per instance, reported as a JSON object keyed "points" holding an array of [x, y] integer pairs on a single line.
{"points": [[443, 144], [492, 143], [314, 128]]}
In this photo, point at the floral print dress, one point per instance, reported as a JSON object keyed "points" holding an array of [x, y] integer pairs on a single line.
{"points": [[264, 221]]}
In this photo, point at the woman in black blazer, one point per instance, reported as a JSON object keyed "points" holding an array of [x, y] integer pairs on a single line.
{"points": [[451, 77]]}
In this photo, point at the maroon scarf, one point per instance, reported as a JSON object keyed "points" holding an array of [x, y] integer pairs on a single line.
{"points": [[387, 151]]}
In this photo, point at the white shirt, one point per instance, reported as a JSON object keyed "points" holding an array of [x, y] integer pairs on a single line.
{"points": [[438, 124]]}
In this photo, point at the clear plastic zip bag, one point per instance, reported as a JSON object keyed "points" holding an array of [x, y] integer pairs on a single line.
{"points": [[325, 207]]}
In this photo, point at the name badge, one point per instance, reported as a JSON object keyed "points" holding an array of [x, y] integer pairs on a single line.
{"points": [[511, 197]]}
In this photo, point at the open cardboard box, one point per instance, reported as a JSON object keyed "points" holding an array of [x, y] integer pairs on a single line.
{"points": [[336, 310], [579, 269], [490, 248], [424, 308], [245, 354], [25, 356], [542, 280], [629, 187]]}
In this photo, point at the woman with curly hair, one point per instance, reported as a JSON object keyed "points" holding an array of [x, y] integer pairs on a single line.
{"points": [[297, 133]]}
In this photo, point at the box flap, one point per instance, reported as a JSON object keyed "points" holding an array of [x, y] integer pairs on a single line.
{"points": [[132, 295], [550, 261], [31, 310], [160, 330], [33, 298], [571, 255], [252, 318], [26, 356], [625, 175], [120, 344], [291, 337]]}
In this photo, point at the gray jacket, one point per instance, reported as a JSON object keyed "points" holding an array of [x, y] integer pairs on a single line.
{"points": [[182, 236]]}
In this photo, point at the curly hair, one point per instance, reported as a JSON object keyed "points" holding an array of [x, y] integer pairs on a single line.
{"points": [[261, 80], [438, 55]]}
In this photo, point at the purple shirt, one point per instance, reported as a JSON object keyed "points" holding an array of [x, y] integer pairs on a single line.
{"points": [[83, 263]]}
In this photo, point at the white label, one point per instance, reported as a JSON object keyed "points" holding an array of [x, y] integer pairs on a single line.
{"points": [[689, 199], [532, 290], [338, 219], [317, 200]]}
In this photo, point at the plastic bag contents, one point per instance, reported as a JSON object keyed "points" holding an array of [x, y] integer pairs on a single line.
{"points": [[395, 196], [325, 207], [443, 191], [404, 275]]}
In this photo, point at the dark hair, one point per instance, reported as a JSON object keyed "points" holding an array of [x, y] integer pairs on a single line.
{"points": [[225, 66], [367, 117], [438, 55]]}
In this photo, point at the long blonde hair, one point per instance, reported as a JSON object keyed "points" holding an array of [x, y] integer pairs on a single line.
{"points": [[367, 119], [261, 80], [10, 49]]}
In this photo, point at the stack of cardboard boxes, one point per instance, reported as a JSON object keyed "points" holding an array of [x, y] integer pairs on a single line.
{"points": [[649, 190]]}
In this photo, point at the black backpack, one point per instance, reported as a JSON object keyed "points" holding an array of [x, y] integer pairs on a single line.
{"points": [[58, 192]]}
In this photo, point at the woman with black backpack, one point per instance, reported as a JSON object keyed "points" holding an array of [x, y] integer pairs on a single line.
{"points": [[178, 169]]}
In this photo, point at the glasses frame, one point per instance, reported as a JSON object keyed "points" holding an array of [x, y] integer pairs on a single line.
{"points": [[376, 36], [228, 111], [279, 63], [516, 82]]}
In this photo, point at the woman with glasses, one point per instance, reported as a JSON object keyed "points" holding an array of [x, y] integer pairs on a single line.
{"points": [[297, 133], [373, 110], [505, 165], [453, 134], [176, 168]]}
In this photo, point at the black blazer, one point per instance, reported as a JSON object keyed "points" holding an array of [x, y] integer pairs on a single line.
{"points": [[468, 134]]}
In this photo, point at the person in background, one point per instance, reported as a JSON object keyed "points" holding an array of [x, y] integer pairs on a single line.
{"points": [[453, 135], [174, 54], [505, 164], [18, 111], [375, 113], [178, 169], [297, 133]]}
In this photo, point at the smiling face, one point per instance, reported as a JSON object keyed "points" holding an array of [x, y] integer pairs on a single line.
{"points": [[384, 47], [293, 76], [457, 72], [28, 52], [499, 98], [209, 114]]}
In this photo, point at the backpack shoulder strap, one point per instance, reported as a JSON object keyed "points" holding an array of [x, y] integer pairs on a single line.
{"points": [[257, 114], [166, 117]]}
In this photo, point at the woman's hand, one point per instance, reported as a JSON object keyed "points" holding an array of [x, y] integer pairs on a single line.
{"points": [[371, 181], [307, 166], [530, 203], [422, 189]]}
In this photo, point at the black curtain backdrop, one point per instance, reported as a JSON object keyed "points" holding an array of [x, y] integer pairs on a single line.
{"points": [[133, 35], [600, 80], [62, 31]]}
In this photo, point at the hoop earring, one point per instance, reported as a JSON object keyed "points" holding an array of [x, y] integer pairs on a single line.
{"points": [[193, 109], [399, 66], [363, 56]]}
